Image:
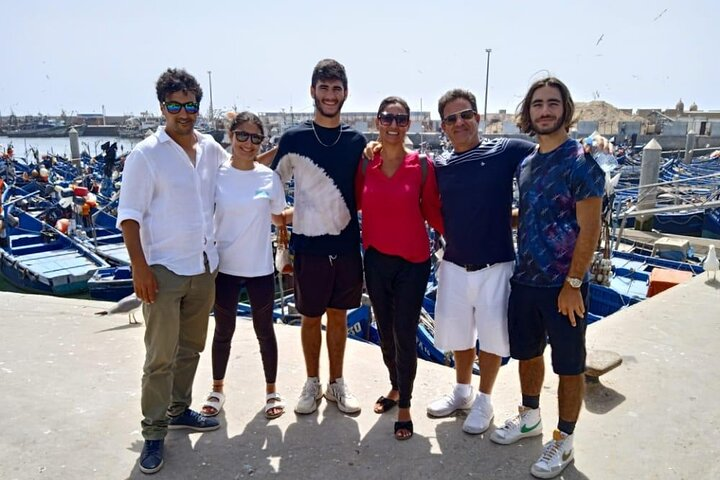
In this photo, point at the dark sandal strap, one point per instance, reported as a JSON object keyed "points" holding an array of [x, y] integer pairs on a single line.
{"points": [[408, 425], [385, 403]]}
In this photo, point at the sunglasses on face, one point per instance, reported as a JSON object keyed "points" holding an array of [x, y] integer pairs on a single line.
{"points": [[401, 119], [465, 115], [175, 107], [255, 138]]}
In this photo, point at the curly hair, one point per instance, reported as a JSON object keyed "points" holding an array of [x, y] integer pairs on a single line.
{"points": [[177, 80]]}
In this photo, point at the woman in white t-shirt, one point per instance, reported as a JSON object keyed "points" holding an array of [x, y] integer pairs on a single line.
{"points": [[248, 196]]}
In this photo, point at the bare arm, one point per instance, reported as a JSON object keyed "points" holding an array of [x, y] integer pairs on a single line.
{"points": [[372, 148], [266, 158], [588, 213], [144, 280], [284, 218]]}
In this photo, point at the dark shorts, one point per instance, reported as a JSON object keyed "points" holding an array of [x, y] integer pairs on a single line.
{"points": [[327, 281], [533, 320]]}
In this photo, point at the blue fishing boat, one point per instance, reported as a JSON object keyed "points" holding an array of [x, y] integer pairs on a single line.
{"points": [[101, 236], [629, 282], [111, 284], [39, 258]]}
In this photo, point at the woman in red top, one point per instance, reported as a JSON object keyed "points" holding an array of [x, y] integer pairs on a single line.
{"points": [[397, 195]]}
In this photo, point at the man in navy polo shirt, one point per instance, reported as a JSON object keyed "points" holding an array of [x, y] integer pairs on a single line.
{"points": [[476, 187], [561, 190]]}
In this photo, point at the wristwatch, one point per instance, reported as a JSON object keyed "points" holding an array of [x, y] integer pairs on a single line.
{"points": [[574, 282]]}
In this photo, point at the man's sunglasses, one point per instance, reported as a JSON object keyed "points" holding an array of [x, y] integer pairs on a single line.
{"points": [[386, 119], [465, 115], [255, 138], [175, 107]]}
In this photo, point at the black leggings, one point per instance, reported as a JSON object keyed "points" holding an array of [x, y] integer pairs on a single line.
{"points": [[261, 291], [396, 288]]}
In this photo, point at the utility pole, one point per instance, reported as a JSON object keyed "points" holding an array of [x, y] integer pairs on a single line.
{"points": [[212, 113], [487, 81]]}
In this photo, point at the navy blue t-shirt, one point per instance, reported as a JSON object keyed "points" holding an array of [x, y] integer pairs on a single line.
{"points": [[323, 162], [476, 189], [550, 185]]}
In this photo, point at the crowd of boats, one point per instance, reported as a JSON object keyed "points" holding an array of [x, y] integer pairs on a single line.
{"points": [[58, 236], [134, 127]]}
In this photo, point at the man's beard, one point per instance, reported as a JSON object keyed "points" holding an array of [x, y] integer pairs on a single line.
{"points": [[319, 108], [548, 130]]}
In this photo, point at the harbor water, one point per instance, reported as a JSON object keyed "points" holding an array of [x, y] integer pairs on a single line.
{"points": [[61, 145]]}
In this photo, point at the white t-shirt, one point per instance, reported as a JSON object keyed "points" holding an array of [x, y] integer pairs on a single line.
{"points": [[244, 200]]}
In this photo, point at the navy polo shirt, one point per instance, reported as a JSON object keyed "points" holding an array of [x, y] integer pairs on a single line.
{"points": [[476, 189]]}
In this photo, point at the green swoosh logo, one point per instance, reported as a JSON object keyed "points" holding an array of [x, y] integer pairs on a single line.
{"points": [[525, 429], [566, 455]]}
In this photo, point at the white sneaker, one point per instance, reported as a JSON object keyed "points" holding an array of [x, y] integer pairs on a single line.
{"points": [[310, 396], [480, 416], [338, 392], [557, 454], [527, 423], [447, 404]]}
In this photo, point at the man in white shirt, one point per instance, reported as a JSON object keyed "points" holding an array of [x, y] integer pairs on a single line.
{"points": [[165, 213]]}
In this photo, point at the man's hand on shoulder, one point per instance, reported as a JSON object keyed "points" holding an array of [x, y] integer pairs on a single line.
{"points": [[371, 149]]}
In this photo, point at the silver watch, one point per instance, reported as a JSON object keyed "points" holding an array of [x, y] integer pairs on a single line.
{"points": [[574, 282]]}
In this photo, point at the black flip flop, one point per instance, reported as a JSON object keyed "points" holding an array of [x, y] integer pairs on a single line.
{"points": [[403, 426], [385, 403]]}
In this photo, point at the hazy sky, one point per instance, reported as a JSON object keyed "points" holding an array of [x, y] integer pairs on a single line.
{"points": [[80, 55]]}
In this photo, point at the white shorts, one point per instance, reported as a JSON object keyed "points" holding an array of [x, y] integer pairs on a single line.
{"points": [[473, 306]]}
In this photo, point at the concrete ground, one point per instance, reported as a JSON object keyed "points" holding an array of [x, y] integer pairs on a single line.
{"points": [[70, 384]]}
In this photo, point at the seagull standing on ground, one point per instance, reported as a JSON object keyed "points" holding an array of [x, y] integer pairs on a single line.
{"points": [[711, 263], [127, 305]]}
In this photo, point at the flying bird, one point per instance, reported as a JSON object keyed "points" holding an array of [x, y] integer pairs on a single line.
{"points": [[660, 15], [127, 305], [711, 263], [599, 40]]}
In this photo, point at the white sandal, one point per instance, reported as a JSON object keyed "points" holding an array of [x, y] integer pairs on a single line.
{"points": [[214, 400], [277, 403]]}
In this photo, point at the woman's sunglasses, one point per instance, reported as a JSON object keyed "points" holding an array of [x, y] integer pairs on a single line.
{"points": [[175, 107], [255, 138], [386, 119], [465, 115]]}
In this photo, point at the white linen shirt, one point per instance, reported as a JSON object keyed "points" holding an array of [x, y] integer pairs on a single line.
{"points": [[173, 201]]}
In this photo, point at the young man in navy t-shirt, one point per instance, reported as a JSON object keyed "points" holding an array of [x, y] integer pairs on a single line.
{"points": [[322, 155], [561, 190]]}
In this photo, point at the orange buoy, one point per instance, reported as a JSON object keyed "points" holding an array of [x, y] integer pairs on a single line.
{"points": [[62, 225]]}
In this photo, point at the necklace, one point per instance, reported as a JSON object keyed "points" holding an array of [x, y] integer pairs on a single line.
{"points": [[320, 141]]}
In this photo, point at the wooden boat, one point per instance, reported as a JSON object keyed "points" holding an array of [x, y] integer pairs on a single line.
{"points": [[111, 284], [36, 257]]}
